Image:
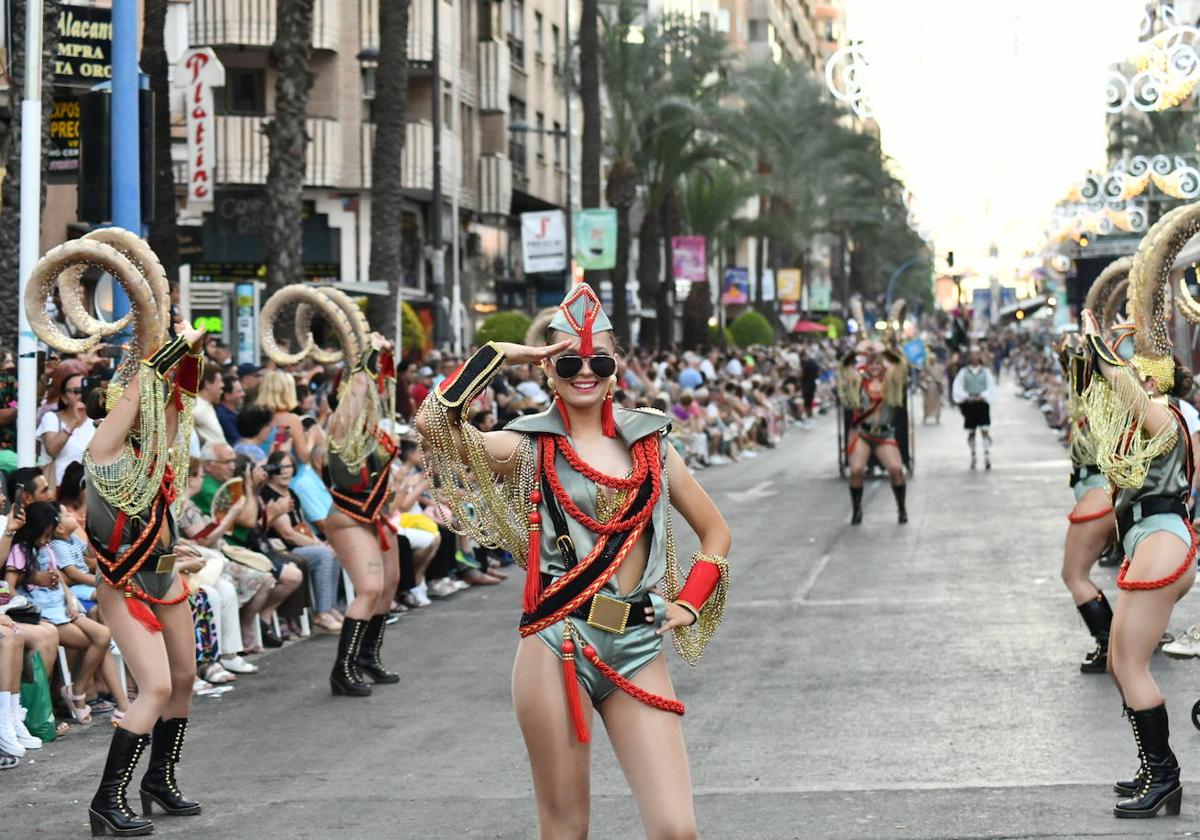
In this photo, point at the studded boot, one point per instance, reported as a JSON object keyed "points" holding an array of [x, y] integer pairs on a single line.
{"points": [[109, 810], [898, 490], [1097, 616], [345, 680], [159, 785], [856, 503], [1130, 787], [368, 660], [1160, 777]]}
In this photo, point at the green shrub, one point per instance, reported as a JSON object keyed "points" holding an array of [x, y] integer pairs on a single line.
{"points": [[718, 337], [504, 326], [751, 328], [413, 335]]}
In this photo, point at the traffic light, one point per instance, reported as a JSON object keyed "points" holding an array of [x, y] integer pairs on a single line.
{"points": [[950, 259]]}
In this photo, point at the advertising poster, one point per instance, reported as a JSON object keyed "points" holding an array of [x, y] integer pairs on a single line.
{"points": [[788, 284], [736, 287], [688, 260], [596, 239], [543, 241]]}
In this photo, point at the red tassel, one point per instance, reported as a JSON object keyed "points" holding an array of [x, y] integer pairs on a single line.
{"points": [[608, 423], [533, 563], [562, 410], [586, 347], [574, 703], [143, 614]]}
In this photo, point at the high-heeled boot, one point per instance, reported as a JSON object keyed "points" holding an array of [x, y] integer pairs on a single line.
{"points": [[1097, 616], [345, 680], [856, 503], [159, 785], [109, 810], [898, 490], [1160, 779], [368, 659], [1130, 787]]}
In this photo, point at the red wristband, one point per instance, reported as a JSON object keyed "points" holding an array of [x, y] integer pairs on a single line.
{"points": [[701, 583], [187, 375]]}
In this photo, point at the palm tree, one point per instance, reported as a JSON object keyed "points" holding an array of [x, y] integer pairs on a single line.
{"points": [[387, 198], [287, 141], [591, 143], [164, 234], [10, 145]]}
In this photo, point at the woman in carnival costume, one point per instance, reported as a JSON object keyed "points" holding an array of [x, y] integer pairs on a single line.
{"points": [[871, 383], [357, 471], [1091, 522], [1144, 450], [136, 467], [581, 494]]}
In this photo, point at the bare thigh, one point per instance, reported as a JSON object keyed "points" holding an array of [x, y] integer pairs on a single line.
{"points": [[860, 453], [357, 548], [649, 745], [889, 458], [146, 656], [560, 764]]}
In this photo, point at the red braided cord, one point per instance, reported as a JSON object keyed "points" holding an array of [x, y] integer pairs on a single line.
{"points": [[143, 595], [620, 524], [640, 694], [635, 479], [1122, 583], [1076, 518]]}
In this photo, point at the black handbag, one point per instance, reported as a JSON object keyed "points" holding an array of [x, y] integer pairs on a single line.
{"points": [[25, 614]]}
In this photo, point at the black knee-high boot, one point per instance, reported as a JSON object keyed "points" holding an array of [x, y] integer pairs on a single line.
{"points": [[368, 660], [856, 503], [1097, 616], [345, 679], [898, 490], [109, 810], [159, 785], [1130, 787], [1160, 776]]}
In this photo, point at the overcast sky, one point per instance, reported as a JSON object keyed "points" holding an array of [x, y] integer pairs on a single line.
{"points": [[992, 109]]}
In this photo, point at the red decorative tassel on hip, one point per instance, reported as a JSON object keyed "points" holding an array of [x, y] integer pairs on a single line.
{"points": [[533, 562], [143, 614], [574, 703]]}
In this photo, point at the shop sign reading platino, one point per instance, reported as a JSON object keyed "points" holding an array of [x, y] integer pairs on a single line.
{"points": [[84, 43]]}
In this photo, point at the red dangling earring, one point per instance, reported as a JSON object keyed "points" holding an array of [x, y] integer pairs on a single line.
{"points": [[608, 423], [562, 412]]}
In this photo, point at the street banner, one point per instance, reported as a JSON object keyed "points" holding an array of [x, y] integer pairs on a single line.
{"points": [[736, 287], [203, 72], [915, 351], [544, 241], [596, 239], [768, 284], [819, 298], [688, 258], [788, 284]]}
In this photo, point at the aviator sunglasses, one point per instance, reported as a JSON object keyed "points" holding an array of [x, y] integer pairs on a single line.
{"points": [[568, 367]]}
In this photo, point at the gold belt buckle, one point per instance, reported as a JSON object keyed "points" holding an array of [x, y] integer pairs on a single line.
{"points": [[609, 614], [166, 562]]}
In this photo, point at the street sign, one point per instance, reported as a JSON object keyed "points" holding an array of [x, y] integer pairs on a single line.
{"points": [[789, 321], [544, 241], [596, 238], [203, 72], [789, 307]]}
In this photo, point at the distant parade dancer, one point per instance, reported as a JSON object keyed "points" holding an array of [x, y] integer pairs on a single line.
{"points": [[1143, 447], [581, 494], [1091, 522], [871, 384], [357, 472], [136, 467], [973, 392]]}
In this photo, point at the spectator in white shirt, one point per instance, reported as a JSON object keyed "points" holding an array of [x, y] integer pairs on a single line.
{"points": [[66, 431], [207, 426]]}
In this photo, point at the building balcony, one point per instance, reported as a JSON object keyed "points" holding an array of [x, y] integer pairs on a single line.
{"points": [[251, 23], [417, 159], [494, 76], [420, 32], [243, 156], [495, 185]]}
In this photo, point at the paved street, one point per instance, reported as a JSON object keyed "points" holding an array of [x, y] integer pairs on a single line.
{"points": [[875, 682]]}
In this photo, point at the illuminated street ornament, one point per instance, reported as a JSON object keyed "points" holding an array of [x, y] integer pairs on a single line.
{"points": [[1177, 178], [1167, 69], [846, 75]]}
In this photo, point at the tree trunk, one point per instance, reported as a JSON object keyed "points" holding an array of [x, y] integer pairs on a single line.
{"points": [[697, 309], [591, 143], [648, 267], [287, 140], [621, 191], [164, 233], [10, 203], [666, 289], [387, 199]]}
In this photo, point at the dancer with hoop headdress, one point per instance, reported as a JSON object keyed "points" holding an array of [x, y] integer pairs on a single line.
{"points": [[581, 494], [1143, 448], [1091, 521], [871, 383], [357, 470], [137, 467]]}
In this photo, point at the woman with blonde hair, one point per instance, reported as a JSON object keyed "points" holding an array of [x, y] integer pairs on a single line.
{"points": [[277, 391]]}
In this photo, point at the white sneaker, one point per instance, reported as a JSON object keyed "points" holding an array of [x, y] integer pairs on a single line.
{"points": [[237, 665], [460, 585], [718, 460], [1185, 645], [749, 453], [8, 735], [442, 588], [24, 737]]}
